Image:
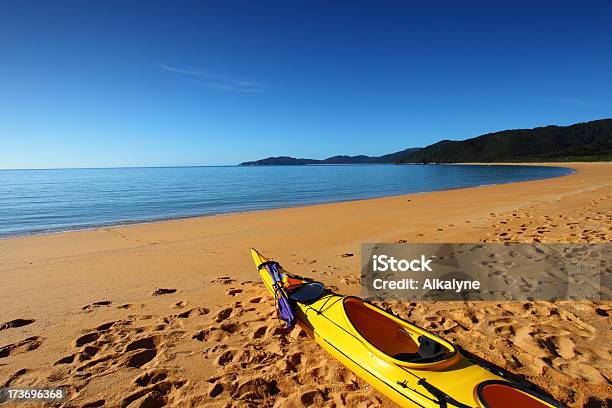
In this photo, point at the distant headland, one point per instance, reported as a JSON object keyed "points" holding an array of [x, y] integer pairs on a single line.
{"points": [[586, 141]]}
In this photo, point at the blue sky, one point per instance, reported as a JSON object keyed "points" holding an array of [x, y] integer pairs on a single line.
{"points": [[126, 83]]}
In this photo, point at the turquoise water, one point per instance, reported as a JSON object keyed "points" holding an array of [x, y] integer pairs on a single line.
{"points": [[37, 201]]}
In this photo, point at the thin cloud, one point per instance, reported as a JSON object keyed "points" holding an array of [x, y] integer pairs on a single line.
{"points": [[185, 71], [218, 81], [225, 87]]}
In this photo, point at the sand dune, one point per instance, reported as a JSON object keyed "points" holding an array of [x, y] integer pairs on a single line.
{"points": [[172, 313]]}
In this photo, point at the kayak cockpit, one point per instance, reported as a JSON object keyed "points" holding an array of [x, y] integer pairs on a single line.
{"points": [[503, 394], [395, 339]]}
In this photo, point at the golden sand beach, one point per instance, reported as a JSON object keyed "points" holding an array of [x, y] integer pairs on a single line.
{"points": [[173, 313]]}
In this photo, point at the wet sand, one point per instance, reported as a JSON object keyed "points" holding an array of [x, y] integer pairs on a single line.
{"points": [[173, 313]]}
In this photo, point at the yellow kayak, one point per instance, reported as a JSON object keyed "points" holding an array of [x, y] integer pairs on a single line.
{"points": [[408, 364]]}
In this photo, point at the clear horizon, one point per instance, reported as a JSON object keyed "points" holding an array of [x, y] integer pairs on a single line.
{"points": [[110, 84], [226, 165]]}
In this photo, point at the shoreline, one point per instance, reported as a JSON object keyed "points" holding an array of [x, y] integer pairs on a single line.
{"points": [[121, 224], [84, 300]]}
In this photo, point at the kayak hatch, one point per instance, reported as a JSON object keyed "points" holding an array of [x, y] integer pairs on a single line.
{"points": [[501, 394]]}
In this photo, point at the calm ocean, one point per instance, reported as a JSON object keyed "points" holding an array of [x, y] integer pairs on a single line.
{"points": [[37, 201]]}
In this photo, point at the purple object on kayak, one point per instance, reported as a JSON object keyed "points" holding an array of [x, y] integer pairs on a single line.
{"points": [[283, 307]]}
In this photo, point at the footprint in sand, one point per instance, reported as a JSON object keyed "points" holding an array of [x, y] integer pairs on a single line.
{"points": [[180, 305], [201, 335], [162, 291], [255, 390], [230, 328], [88, 353], [225, 280], [29, 344], [66, 360], [116, 346], [15, 376], [150, 342], [146, 349], [151, 377], [105, 326], [126, 306], [314, 397], [87, 338], [141, 358], [224, 314], [155, 395], [234, 292], [225, 358], [94, 404], [215, 390], [294, 361], [16, 323], [91, 307], [260, 332], [199, 311]]}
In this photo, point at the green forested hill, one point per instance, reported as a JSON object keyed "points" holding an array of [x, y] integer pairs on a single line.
{"points": [[589, 141]]}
